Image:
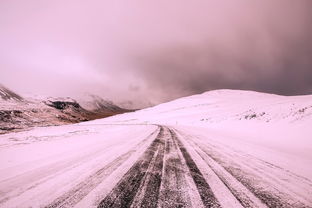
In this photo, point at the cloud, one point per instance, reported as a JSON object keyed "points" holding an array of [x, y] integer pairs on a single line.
{"points": [[266, 48], [151, 52]]}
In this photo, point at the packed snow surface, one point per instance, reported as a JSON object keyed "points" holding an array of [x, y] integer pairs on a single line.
{"points": [[224, 148]]}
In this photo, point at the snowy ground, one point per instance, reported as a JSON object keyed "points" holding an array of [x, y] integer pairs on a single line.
{"points": [[219, 149]]}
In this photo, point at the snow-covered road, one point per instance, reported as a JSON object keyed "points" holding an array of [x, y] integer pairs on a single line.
{"points": [[142, 166]]}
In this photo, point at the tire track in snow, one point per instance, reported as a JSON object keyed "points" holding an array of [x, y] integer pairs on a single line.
{"points": [[73, 196], [205, 192], [240, 192], [253, 184], [173, 190], [158, 176], [124, 192], [243, 184]]}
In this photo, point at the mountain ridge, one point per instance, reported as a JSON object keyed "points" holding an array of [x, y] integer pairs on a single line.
{"points": [[17, 113], [219, 106]]}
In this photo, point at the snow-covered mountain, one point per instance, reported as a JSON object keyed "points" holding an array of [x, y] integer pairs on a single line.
{"points": [[19, 113], [8, 95], [228, 106], [101, 106]]}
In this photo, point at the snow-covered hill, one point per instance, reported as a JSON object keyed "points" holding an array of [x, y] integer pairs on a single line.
{"points": [[101, 106], [8, 95], [273, 121], [17, 112], [224, 106]]}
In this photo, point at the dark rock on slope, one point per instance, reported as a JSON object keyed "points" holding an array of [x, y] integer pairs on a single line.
{"points": [[17, 113]]}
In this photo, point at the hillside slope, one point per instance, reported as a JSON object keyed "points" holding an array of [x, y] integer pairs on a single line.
{"points": [[8, 95], [224, 106], [17, 113]]}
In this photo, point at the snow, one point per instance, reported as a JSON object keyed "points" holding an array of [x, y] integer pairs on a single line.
{"points": [[282, 123], [73, 151], [228, 105], [248, 130]]}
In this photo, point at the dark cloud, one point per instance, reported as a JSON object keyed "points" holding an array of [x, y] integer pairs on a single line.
{"points": [[194, 70], [274, 56], [138, 52]]}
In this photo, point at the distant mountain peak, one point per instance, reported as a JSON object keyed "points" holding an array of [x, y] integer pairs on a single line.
{"points": [[8, 95], [19, 113], [97, 103]]}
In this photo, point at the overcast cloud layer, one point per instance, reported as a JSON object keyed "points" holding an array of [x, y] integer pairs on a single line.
{"points": [[148, 52]]}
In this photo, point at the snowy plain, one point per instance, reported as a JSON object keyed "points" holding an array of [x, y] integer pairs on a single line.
{"points": [[250, 149]]}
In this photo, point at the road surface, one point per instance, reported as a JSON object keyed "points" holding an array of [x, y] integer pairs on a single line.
{"points": [[163, 167]]}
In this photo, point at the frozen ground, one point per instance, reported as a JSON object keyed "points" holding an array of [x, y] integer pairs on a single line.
{"points": [[218, 149]]}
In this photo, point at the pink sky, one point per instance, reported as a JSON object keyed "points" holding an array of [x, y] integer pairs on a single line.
{"points": [[155, 50]]}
